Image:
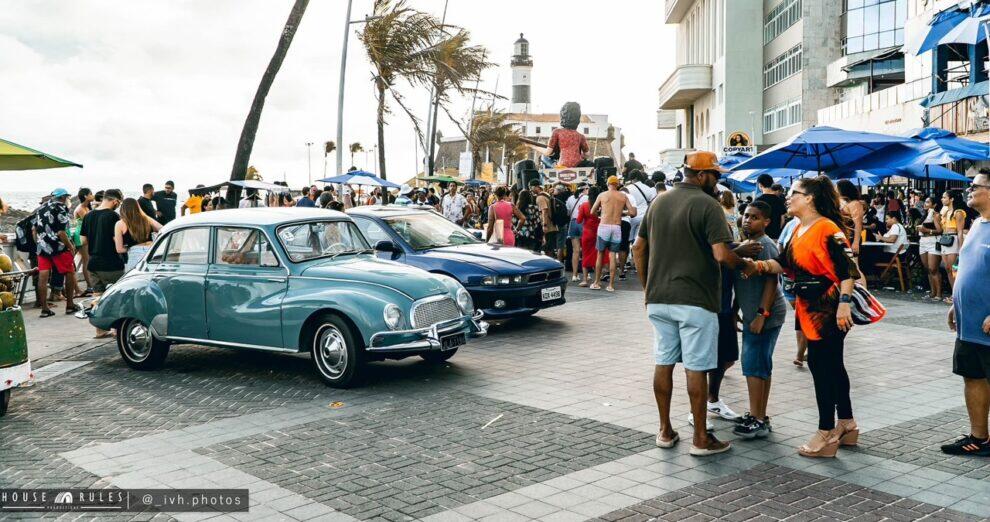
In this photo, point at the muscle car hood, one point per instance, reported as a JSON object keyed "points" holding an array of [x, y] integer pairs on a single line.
{"points": [[497, 258], [411, 281]]}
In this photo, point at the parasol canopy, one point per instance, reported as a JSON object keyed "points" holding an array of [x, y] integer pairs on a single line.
{"points": [[360, 177], [19, 157]]}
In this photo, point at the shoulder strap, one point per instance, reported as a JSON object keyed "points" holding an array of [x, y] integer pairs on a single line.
{"points": [[641, 193]]}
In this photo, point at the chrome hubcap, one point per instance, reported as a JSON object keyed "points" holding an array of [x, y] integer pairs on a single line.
{"points": [[138, 340], [332, 351]]}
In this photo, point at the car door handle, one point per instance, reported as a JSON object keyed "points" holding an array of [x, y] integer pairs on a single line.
{"points": [[276, 279]]}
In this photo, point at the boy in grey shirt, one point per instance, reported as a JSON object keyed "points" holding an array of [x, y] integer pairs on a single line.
{"points": [[763, 309]]}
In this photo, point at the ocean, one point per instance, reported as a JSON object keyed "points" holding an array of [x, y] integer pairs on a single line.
{"points": [[29, 199]]}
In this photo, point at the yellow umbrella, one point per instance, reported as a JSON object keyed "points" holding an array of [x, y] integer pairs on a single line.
{"points": [[19, 157]]}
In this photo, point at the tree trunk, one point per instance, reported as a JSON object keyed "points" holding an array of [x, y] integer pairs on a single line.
{"points": [[250, 130], [381, 129], [433, 136]]}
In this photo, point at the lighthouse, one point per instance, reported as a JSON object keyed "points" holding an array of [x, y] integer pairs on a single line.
{"points": [[522, 68]]}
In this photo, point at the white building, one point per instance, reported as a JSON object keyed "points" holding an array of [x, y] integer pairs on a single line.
{"points": [[522, 73]]}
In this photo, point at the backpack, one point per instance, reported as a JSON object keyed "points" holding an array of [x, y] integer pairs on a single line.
{"points": [[24, 240], [558, 213]]}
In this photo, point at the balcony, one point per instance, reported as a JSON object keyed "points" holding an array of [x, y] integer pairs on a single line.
{"points": [[676, 9], [685, 85], [666, 119]]}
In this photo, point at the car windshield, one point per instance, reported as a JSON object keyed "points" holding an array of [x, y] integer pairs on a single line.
{"points": [[428, 230], [315, 239]]}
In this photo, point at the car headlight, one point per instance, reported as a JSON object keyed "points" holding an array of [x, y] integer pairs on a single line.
{"points": [[393, 316], [502, 280], [464, 302]]}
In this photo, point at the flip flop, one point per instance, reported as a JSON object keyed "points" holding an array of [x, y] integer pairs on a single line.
{"points": [[46, 313], [595, 287], [667, 444], [609, 289]]}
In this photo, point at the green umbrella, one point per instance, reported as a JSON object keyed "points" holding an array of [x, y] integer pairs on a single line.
{"points": [[19, 157], [440, 179]]}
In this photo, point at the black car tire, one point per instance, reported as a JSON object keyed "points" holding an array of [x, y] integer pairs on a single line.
{"points": [[337, 357], [438, 357], [138, 346], [4, 401]]}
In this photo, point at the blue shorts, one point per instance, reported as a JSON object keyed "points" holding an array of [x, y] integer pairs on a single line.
{"points": [[757, 352], [609, 238], [684, 334], [574, 230]]}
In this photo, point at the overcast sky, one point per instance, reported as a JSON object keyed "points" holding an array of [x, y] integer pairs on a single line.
{"points": [[144, 91]]}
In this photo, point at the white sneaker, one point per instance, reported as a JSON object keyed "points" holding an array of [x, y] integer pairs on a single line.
{"points": [[708, 422], [719, 408]]}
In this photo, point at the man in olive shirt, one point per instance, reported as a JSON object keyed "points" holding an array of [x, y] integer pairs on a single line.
{"points": [[682, 240]]}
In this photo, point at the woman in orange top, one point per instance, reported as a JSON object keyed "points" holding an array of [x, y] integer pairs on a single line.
{"points": [[819, 259]]}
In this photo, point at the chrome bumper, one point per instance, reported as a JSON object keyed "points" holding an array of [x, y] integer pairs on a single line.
{"points": [[428, 339]]}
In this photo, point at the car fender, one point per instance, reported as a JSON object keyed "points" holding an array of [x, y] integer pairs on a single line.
{"points": [[133, 297], [362, 303]]}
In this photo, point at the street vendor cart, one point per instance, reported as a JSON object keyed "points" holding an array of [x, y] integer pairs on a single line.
{"points": [[15, 367]]}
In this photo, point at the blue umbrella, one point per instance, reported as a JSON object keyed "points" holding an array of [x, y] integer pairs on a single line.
{"points": [[476, 183], [952, 26], [916, 171], [731, 160], [822, 149], [359, 177]]}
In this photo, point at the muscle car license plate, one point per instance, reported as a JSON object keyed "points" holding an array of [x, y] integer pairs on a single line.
{"points": [[551, 294], [452, 341]]}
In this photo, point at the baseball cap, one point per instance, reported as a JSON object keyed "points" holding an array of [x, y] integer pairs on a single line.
{"points": [[60, 193], [612, 180], [703, 160]]}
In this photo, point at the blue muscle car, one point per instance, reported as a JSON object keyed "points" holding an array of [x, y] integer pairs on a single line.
{"points": [[284, 280], [504, 282]]}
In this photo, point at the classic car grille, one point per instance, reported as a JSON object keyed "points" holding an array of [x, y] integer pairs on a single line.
{"points": [[545, 276], [432, 312]]}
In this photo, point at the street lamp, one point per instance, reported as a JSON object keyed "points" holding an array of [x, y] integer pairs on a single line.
{"points": [[309, 160], [340, 91]]}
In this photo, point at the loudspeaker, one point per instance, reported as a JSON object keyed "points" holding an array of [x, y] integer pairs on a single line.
{"points": [[529, 175], [523, 171]]}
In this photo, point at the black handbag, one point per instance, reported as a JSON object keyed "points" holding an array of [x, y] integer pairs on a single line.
{"points": [[946, 240], [808, 287]]}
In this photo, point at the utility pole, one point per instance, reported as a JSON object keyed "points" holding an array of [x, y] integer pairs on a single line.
{"points": [[431, 115], [340, 89], [309, 160]]}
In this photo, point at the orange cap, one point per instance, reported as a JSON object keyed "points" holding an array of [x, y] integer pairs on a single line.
{"points": [[612, 180], [703, 160]]}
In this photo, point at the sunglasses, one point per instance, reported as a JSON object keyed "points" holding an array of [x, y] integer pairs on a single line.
{"points": [[976, 186], [793, 191]]}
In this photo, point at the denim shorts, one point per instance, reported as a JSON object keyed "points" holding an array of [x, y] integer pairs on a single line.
{"points": [[684, 334], [574, 230], [757, 352]]}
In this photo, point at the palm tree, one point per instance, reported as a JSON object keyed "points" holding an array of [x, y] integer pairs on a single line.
{"points": [[246, 143], [490, 132], [355, 148], [455, 64], [397, 39]]}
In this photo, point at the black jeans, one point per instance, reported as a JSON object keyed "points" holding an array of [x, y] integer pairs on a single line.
{"points": [[831, 379]]}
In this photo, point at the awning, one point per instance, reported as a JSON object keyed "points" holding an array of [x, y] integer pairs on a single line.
{"points": [[954, 95], [248, 184], [959, 24]]}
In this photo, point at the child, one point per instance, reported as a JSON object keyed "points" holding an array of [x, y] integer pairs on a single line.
{"points": [[763, 310]]}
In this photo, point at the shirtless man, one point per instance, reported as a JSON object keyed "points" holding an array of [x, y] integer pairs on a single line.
{"points": [[611, 203]]}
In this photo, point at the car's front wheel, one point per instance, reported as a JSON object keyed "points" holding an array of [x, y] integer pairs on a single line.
{"points": [[335, 352], [138, 346], [438, 357]]}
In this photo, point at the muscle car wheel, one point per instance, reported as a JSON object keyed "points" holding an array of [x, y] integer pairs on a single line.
{"points": [[139, 348], [335, 353]]}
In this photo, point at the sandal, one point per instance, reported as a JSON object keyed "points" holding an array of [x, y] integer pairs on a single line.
{"points": [[667, 444], [595, 286], [583, 283], [47, 313], [609, 289], [73, 309], [947, 300]]}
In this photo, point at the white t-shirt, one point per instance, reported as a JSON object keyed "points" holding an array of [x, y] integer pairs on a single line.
{"points": [[900, 233], [573, 203], [453, 207], [641, 195]]}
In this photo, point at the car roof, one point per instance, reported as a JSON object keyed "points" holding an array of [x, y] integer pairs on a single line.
{"points": [[385, 210], [256, 216]]}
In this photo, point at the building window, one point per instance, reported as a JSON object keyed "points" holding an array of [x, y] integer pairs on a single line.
{"points": [[786, 14], [868, 25], [782, 67], [586, 130], [781, 116], [537, 129]]}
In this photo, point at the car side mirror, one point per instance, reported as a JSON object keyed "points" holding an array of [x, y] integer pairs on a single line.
{"points": [[387, 246]]}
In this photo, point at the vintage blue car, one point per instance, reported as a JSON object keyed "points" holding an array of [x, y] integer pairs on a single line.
{"points": [[284, 280], [504, 282]]}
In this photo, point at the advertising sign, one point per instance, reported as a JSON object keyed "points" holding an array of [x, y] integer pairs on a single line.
{"points": [[568, 175], [739, 142]]}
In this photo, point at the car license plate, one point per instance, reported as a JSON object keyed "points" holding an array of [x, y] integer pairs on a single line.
{"points": [[551, 294], [452, 341]]}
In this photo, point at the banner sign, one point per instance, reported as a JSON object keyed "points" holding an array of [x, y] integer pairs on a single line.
{"points": [[568, 175]]}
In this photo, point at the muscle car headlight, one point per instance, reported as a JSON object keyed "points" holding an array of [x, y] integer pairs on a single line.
{"points": [[502, 280], [464, 302], [393, 316]]}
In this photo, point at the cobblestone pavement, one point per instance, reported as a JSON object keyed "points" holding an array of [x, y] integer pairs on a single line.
{"points": [[549, 418]]}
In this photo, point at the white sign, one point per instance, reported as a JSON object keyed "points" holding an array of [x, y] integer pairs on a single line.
{"points": [[568, 175], [465, 167]]}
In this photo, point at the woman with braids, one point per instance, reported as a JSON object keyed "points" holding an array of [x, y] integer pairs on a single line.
{"points": [[819, 260]]}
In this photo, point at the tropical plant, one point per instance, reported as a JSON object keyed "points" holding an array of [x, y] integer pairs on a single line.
{"points": [[490, 132], [355, 148], [397, 40], [455, 64], [246, 142]]}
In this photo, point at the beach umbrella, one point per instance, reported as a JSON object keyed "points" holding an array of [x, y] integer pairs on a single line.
{"points": [[19, 157], [731, 160], [822, 149], [440, 179], [916, 171], [939, 146], [360, 177], [475, 183]]}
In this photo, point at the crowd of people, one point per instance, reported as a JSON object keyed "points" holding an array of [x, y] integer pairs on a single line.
{"points": [[800, 249]]}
